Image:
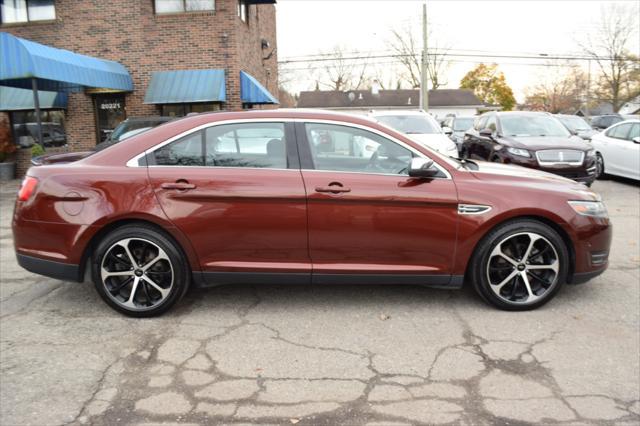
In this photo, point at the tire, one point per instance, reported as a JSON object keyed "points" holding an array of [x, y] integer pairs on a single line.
{"points": [[497, 258], [600, 174], [160, 274]]}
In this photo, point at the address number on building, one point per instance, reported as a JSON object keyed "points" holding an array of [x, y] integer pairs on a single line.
{"points": [[111, 105]]}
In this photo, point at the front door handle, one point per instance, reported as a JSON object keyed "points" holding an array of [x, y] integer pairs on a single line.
{"points": [[334, 188], [181, 186]]}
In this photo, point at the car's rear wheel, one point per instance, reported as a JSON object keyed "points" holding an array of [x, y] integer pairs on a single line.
{"points": [[520, 265], [599, 166], [139, 271]]}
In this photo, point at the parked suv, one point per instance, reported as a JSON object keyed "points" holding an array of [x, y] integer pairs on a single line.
{"points": [[419, 126], [531, 139]]}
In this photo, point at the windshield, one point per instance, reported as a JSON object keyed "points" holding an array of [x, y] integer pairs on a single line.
{"points": [[532, 125], [575, 123], [410, 124], [462, 124]]}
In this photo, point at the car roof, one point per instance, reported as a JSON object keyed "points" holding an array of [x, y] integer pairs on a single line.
{"points": [[151, 118]]}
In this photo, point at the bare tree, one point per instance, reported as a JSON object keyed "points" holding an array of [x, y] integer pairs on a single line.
{"points": [[619, 79], [559, 90], [408, 49], [342, 73]]}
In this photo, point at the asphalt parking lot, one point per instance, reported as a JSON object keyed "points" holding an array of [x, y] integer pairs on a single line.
{"points": [[325, 355]]}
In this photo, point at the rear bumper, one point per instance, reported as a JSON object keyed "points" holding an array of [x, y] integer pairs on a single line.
{"points": [[50, 268]]}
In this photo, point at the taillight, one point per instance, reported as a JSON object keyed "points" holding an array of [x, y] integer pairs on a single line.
{"points": [[28, 188]]}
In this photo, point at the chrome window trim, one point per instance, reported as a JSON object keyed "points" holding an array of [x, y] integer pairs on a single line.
{"points": [[134, 161]]}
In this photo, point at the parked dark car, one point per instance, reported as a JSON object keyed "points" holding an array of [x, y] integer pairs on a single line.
{"points": [[531, 139], [53, 134], [577, 125], [126, 129], [601, 122], [456, 127], [130, 127], [245, 197]]}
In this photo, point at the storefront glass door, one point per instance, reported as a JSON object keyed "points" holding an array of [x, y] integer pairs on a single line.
{"points": [[110, 111]]}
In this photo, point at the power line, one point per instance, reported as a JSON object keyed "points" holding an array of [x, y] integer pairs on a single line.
{"points": [[455, 55], [318, 67]]}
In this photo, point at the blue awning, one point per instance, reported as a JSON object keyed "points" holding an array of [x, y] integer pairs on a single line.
{"points": [[56, 69], [252, 92], [15, 99], [186, 86]]}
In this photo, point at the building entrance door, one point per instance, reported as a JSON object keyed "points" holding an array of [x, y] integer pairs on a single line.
{"points": [[110, 111]]}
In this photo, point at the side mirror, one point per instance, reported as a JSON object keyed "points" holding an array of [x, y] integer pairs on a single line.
{"points": [[486, 132], [422, 168], [447, 130], [636, 139]]}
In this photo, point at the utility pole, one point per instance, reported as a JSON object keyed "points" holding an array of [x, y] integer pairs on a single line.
{"points": [[586, 109], [424, 84]]}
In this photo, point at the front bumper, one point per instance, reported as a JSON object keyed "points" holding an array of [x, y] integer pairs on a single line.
{"points": [[584, 173]]}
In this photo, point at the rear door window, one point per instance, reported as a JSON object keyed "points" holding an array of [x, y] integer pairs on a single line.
{"points": [[619, 132], [260, 145]]}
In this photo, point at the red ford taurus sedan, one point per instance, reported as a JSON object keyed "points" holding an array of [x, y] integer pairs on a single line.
{"points": [[302, 197]]}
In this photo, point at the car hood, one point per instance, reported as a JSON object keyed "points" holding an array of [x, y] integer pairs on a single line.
{"points": [[587, 134], [67, 157], [535, 143], [438, 141], [533, 177]]}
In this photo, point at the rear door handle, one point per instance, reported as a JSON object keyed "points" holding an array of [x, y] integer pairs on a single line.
{"points": [[334, 188], [182, 186]]}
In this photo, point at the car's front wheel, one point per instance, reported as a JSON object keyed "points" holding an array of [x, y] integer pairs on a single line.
{"points": [[139, 271], [520, 265]]}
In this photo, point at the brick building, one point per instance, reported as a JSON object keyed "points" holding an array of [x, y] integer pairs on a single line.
{"points": [[149, 37]]}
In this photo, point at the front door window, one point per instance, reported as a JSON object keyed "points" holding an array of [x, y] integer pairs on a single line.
{"points": [[348, 149], [110, 111]]}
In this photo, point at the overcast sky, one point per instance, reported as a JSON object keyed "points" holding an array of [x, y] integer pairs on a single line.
{"points": [[307, 27]]}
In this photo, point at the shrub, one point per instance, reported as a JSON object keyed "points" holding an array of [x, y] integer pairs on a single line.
{"points": [[36, 150]]}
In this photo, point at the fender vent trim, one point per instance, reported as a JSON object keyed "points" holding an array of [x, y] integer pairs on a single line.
{"points": [[473, 209]]}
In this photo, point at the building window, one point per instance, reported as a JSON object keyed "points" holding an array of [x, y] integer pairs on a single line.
{"points": [[180, 110], [25, 128], [177, 6], [17, 11], [243, 10]]}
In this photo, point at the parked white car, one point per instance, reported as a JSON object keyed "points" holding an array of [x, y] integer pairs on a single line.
{"points": [[618, 150], [419, 126]]}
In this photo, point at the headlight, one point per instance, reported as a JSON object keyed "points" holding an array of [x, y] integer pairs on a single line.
{"points": [[589, 208], [519, 151], [591, 153]]}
